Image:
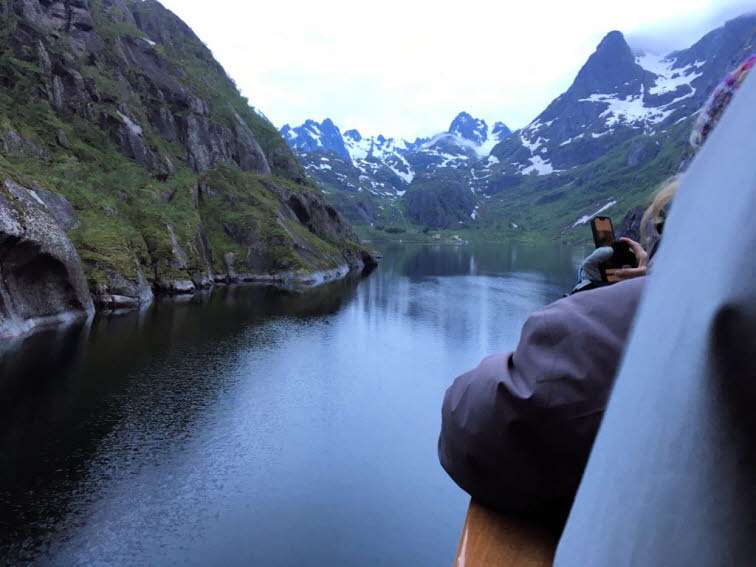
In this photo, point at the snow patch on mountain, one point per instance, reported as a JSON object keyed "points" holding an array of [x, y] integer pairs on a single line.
{"points": [[636, 109], [629, 110], [357, 146], [533, 146], [668, 79], [480, 150], [408, 175], [539, 166], [585, 218]]}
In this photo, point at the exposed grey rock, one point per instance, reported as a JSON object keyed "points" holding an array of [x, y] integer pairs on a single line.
{"points": [[172, 286], [631, 224], [250, 155], [71, 18], [11, 142], [180, 259], [318, 215], [210, 144], [58, 206], [165, 123], [120, 292], [42, 277], [61, 138], [202, 278], [229, 260], [44, 58]]}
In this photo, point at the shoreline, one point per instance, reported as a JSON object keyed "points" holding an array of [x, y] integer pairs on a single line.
{"points": [[12, 330]]}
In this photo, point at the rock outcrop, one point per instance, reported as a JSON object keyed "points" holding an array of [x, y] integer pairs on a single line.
{"points": [[41, 277], [631, 224]]}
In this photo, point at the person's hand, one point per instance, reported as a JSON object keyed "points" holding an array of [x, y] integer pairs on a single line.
{"points": [[642, 256]]}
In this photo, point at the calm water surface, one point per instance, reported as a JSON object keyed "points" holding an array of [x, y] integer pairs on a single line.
{"points": [[259, 427]]}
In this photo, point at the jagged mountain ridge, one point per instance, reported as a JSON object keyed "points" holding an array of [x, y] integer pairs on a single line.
{"points": [[466, 138], [604, 144], [618, 93], [360, 173], [612, 137], [132, 165]]}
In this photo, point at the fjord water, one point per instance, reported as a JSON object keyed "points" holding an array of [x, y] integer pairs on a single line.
{"points": [[254, 426]]}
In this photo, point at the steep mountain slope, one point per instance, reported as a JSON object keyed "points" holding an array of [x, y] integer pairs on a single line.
{"points": [[130, 163], [603, 145], [618, 94], [617, 132]]}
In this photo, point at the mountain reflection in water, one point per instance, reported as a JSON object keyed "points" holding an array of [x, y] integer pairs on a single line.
{"points": [[259, 426]]}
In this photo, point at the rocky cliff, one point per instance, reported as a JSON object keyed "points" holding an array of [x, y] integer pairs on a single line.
{"points": [[130, 165]]}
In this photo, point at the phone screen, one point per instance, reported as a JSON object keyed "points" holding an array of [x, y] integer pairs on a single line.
{"points": [[603, 231]]}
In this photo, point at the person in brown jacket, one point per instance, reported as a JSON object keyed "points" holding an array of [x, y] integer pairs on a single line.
{"points": [[517, 430]]}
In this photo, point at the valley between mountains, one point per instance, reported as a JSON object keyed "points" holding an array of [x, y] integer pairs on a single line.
{"points": [[603, 145]]}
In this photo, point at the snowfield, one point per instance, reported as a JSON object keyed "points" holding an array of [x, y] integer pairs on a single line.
{"points": [[584, 219]]}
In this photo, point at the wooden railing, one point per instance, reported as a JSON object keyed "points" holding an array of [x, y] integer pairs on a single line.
{"points": [[489, 539]]}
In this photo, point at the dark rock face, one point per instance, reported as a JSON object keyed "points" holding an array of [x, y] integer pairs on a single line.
{"points": [[500, 130], [440, 201], [209, 144], [42, 277], [476, 130], [610, 69], [312, 136], [320, 217], [71, 18], [143, 70], [631, 224], [469, 128]]}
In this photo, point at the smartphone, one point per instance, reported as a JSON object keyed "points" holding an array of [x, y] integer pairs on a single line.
{"points": [[603, 235], [603, 231]]}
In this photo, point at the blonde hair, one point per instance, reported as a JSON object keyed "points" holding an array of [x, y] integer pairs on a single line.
{"points": [[656, 214]]}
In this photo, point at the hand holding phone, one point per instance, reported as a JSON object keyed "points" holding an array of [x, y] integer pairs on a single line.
{"points": [[640, 266], [628, 257]]}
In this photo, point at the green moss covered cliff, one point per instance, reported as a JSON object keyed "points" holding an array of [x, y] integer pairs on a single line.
{"points": [[123, 134]]}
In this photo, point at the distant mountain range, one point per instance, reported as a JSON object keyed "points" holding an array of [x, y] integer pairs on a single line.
{"points": [[384, 167], [604, 144]]}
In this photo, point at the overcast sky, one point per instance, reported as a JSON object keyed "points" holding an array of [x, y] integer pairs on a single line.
{"points": [[405, 68]]}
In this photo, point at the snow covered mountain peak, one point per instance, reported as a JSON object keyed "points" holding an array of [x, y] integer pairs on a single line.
{"points": [[477, 131], [620, 93], [315, 136], [384, 165]]}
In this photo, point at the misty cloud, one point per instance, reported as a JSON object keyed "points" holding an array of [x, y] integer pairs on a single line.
{"points": [[666, 37], [406, 68]]}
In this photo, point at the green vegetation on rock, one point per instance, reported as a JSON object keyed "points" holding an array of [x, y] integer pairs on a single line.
{"points": [[175, 181]]}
